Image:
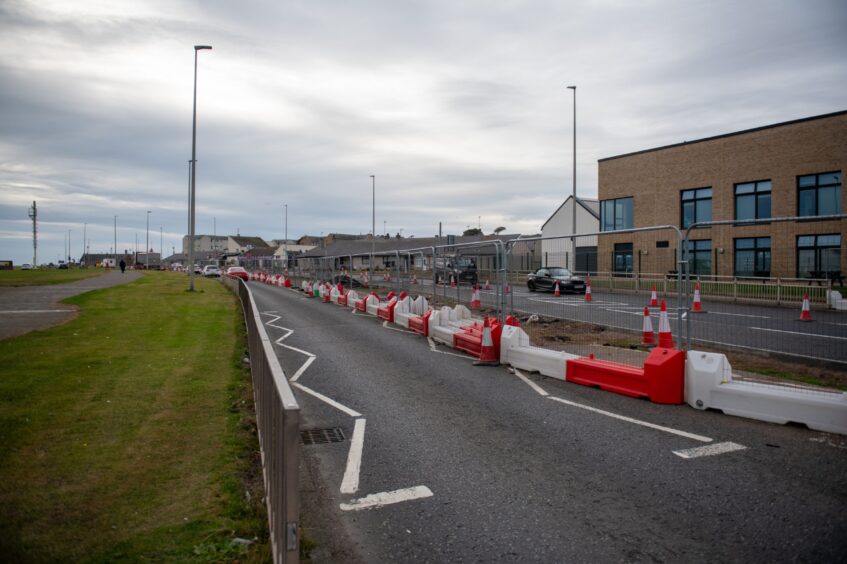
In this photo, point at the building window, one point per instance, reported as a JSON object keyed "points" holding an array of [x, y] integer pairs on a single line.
{"points": [[616, 214], [753, 257], [622, 259], [753, 200], [819, 194], [696, 206], [818, 255], [699, 255]]}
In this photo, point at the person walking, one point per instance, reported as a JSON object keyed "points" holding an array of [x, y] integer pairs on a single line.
{"points": [[123, 266]]}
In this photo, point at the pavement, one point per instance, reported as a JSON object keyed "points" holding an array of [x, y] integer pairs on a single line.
{"points": [[446, 461], [30, 308]]}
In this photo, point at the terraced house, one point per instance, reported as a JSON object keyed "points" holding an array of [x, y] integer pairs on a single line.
{"points": [[789, 169]]}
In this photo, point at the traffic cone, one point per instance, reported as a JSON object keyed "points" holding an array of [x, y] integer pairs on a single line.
{"points": [[556, 292], [665, 336], [488, 355], [508, 289], [697, 307], [365, 280], [648, 337], [654, 300], [806, 312], [588, 289], [452, 281], [475, 302], [414, 279], [487, 284]]}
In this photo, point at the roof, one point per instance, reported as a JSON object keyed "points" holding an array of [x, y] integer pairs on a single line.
{"points": [[248, 241], [586, 203], [264, 251], [742, 132], [381, 245]]}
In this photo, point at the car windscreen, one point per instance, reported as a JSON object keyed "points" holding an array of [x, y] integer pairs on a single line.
{"points": [[560, 272], [464, 263]]}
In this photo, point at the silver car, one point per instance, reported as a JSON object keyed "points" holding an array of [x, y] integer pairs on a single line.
{"points": [[211, 270]]}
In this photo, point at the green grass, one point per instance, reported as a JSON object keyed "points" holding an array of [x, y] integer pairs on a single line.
{"points": [[46, 276], [127, 433]]}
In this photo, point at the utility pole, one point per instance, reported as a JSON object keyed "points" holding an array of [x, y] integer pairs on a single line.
{"points": [[116, 243], [373, 225], [147, 244], [33, 215], [573, 204], [161, 246], [69, 248], [84, 231]]}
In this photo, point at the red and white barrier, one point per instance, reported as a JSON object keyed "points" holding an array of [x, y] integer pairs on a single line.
{"points": [[408, 308], [516, 351], [444, 323]]}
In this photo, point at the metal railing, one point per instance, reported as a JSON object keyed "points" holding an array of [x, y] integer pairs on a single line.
{"points": [[278, 424]]}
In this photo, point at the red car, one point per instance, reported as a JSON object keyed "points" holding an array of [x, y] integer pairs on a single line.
{"points": [[237, 272]]}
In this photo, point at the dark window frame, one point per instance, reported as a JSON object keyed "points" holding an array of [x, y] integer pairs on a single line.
{"points": [[817, 248], [692, 254], [621, 250], [614, 202], [757, 194], [816, 189], [694, 199], [756, 249]]}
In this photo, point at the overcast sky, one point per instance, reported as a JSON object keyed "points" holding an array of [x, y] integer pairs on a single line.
{"points": [[460, 109]]}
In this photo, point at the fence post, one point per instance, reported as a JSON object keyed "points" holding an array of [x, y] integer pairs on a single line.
{"points": [[735, 290], [778, 291]]}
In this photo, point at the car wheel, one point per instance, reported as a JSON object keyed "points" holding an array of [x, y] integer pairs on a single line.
{"points": [[530, 286]]}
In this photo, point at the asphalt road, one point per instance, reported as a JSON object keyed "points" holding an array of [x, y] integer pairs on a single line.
{"points": [[774, 329], [517, 476]]}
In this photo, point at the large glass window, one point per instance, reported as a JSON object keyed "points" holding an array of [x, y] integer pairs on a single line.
{"points": [[753, 256], [819, 194], [622, 260], [696, 205], [753, 200], [616, 214], [818, 255], [699, 255]]}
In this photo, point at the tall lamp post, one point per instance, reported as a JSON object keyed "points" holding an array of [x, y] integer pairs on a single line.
{"points": [[285, 242], [116, 243], [197, 48], [573, 204], [147, 247], [373, 225], [84, 235]]}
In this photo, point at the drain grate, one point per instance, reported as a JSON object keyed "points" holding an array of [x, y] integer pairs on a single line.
{"points": [[322, 436]]}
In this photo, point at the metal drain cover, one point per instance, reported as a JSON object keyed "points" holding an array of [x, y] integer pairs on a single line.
{"points": [[322, 436]]}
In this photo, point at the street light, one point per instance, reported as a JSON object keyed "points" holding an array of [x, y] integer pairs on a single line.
{"points": [[373, 225], [573, 204], [147, 245], [116, 243], [285, 242], [197, 48]]}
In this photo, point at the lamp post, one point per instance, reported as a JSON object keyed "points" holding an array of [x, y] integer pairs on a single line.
{"points": [[573, 204], [197, 48], [285, 241], [84, 235], [147, 245], [69, 248], [116, 243], [373, 224]]}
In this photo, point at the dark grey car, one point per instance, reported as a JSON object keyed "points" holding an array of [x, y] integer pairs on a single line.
{"points": [[544, 280]]}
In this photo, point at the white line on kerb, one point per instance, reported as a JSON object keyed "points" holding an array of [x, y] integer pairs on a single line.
{"points": [[387, 498], [636, 421], [800, 333], [323, 398], [350, 483], [37, 311], [709, 450], [530, 383]]}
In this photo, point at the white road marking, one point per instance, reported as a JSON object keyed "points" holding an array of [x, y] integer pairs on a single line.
{"points": [[387, 498], [433, 347], [709, 450], [530, 383], [311, 356], [323, 398], [37, 311], [350, 483], [302, 369], [800, 333], [635, 421], [739, 314], [385, 324]]}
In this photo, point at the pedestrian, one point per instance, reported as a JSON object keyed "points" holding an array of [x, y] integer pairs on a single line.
{"points": [[123, 266]]}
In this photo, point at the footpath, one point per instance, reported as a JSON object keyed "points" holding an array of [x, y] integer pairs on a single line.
{"points": [[30, 308]]}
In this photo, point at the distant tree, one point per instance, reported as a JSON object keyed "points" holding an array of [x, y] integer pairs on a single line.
{"points": [[472, 231], [498, 230], [398, 236]]}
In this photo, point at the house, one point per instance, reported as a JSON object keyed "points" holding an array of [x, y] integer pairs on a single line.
{"points": [[556, 250]]}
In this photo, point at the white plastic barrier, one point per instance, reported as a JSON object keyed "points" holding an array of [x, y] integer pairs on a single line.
{"points": [[372, 305], [352, 296], [403, 311], [709, 384], [443, 323], [516, 351], [333, 295]]}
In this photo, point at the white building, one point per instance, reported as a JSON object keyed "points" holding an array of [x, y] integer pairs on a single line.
{"points": [[560, 252]]}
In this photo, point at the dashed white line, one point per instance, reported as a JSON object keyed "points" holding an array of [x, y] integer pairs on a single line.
{"points": [[709, 450], [799, 333], [700, 438], [530, 383], [330, 401], [387, 498], [350, 483]]}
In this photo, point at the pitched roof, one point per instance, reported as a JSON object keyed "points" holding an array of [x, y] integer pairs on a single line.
{"points": [[588, 204], [260, 251], [248, 241]]}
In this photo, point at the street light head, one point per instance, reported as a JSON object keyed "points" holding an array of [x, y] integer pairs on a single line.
{"points": [[199, 47], [572, 87]]}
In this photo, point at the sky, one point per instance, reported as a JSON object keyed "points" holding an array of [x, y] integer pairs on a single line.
{"points": [[459, 109]]}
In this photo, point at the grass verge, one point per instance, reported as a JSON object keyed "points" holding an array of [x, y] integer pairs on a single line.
{"points": [[128, 434], [46, 276]]}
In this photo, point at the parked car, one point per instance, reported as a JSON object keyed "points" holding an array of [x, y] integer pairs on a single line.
{"points": [[211, 270], [197, 269], [345, 281], [26, 266], [237, 272], [463, 270], [544, 279]]}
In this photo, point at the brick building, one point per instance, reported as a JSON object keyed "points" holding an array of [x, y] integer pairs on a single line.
{"points": [[787, 169]]}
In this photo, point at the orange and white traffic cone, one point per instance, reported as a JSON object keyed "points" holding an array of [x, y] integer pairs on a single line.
{"points": [[475, 302], [806, 311], [588, 289], [487, 284], [654, 300], [365, 280], [414, 279], [488, 354], [665, 336], [452, 281], [648, 337], [556, 292], [697, 307]]}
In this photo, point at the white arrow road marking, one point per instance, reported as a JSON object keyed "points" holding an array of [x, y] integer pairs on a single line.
{"points": [[350, 483], [530, 383], [700, 438], [709, 450], [387, 498]]}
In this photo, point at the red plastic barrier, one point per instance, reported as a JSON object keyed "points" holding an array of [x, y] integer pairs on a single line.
{"points": [[470, 340], [420, 323], [361, 304], [661, 380], [386, 311], [342, 299]]}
